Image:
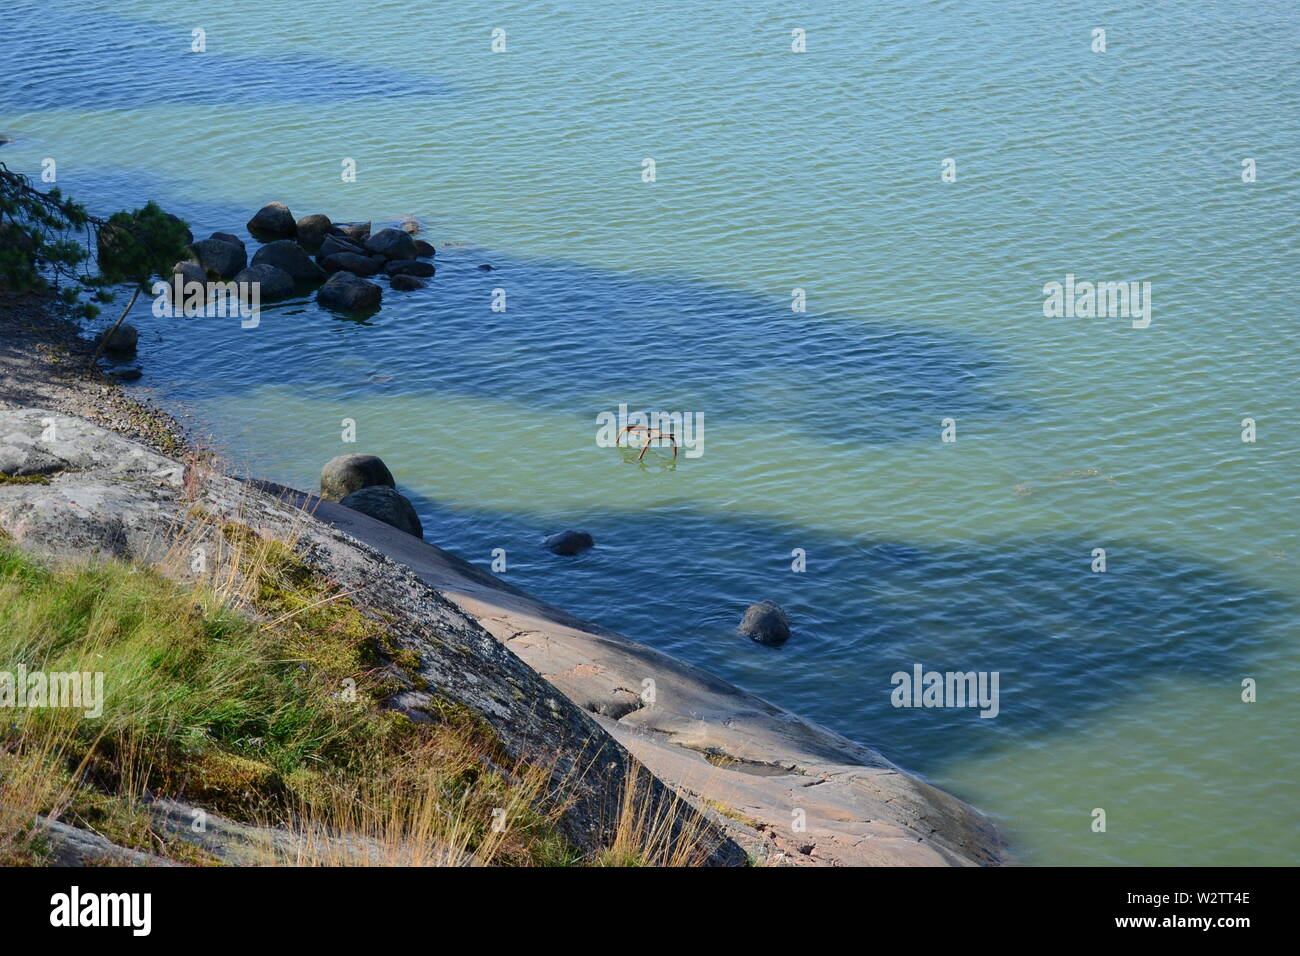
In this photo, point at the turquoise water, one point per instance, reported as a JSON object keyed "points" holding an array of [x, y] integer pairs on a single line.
{"points": [[775, 171]]}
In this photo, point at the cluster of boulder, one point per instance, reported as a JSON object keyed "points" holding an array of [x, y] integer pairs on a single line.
{"points": [[297, 254]]}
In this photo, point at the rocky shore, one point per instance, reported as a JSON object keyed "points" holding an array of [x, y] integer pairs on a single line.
{"points": [[761, 784]]}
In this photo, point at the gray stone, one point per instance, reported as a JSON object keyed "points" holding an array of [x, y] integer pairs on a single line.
{"points": [[765, 623], [313, 229], [424, 250], [228, 237], [392, 244], [345, 474], [273, 284], [360, 231], [274, 220], [387, 505], [568, 543], [219, 259], [292, 258], [345, 292], [409, 267], [406, 283], [351, 262]]}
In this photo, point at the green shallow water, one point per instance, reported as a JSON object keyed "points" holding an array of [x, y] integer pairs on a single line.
{"points": [[822, 430]]}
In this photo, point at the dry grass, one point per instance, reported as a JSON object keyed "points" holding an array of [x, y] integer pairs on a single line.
{"points": [[257, 691]]}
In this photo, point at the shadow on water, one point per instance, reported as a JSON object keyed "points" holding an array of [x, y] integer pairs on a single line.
{"points": [[1069, 644], [57, 57], [577, 340]]}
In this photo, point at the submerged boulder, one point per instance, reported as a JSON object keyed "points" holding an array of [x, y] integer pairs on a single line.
{"points": [[406, 283], [313, 229], [351, 262], [288, 255], [345, 474], [765, 623], [273, 284], [219, 258], [392, 244], [409, 267], [336, 244], [568, 543], [386, 505], [345, 292], [359, 231], [273, 220]]}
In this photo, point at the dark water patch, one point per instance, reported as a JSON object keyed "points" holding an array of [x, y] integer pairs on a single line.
{"points": [[1069, 644], [59, 57]]}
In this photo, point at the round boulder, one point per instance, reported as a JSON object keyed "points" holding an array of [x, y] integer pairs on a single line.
{"points": [[219, 258], [288, 255], [406, 283], [386, 505], [424, 250], [313, 229], [274, 220], [120, 341], [765, 623], [409, 267], [272, 284], [392, 244], [348, 473], [568, 543], [345, 292], [228, 237]]}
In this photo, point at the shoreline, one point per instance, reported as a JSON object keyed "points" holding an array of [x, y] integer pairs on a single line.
{"points": [[783, 788]]}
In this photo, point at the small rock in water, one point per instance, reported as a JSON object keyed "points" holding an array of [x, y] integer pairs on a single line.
{"points": [[386, 505], [273, 220], [345, 474], [273, 284], [219, 258], [568, 543], [350, 261], [313, 229], [410, 226], [409, 267], [127, 374], [345, 292], [405, 283], [392, 244], [424, 250], [765, 623], [288, 255], [120, 341], [487, 268]]}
